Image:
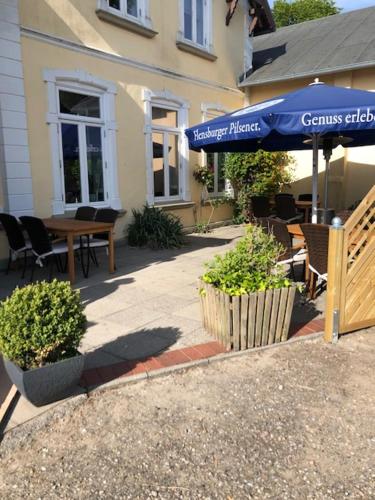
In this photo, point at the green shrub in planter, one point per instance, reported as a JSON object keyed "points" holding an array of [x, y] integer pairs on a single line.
{"points": [[250, 267], [41, 323], [155, 228]]}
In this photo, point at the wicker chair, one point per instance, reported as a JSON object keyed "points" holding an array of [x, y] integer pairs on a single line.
{"points": [[316, 237], [286, 208], [16, 240], [292, 253], [260, 206], [344, 215]]}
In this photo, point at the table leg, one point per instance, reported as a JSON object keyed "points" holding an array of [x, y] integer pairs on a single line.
{"points": [[111, 252], [307, 210], [71, 268], [307, 270]]}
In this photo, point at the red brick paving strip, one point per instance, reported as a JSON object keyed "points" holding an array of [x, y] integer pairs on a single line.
{"points": [[99, 376]]}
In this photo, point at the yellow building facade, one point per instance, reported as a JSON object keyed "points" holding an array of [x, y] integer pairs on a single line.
{"points": [[101, 91]]}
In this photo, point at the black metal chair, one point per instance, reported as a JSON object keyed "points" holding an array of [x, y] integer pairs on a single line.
{"points": [[16, 240], [286, 208], [316, 237], [260, 206], [85, 213], [280, 231], [305, 197], [42, 247], [99, 240]]}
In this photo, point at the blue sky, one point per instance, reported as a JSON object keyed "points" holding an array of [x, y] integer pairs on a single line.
{"points": [[350, 4]]}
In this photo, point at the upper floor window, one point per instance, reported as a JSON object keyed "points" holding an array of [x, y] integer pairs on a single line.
{"points": [[127, 7], [132, 15], [195, 35], [195, 13], [196, 16]]}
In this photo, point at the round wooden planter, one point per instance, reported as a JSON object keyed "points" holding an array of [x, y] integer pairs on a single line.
{"points": [[49, 383], [247, 321]]}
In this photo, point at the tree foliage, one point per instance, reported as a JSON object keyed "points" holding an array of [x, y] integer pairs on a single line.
{"points": [[257, 174], [297, 11]]}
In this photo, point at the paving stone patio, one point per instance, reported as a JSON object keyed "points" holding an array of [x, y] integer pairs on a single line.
{"points": [[149, 306]]}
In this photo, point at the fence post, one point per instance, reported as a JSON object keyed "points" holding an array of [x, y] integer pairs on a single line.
{"points": [[335, 260]]}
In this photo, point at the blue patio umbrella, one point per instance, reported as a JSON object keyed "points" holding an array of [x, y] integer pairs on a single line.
{"points": [[316, 116]]}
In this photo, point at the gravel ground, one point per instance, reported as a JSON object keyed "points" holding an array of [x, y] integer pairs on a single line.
{"points": [[294, 422]]}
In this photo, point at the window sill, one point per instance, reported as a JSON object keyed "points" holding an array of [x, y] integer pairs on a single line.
{"points": [[70, 213], [128, 24], [195, 50], [174, 205], [222, 198]]}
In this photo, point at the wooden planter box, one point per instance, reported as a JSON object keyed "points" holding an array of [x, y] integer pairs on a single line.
{"points": [[247, 321]]}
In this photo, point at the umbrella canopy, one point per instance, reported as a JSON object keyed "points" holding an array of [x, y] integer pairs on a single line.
{"points": [[287, 122], [282, 123]]}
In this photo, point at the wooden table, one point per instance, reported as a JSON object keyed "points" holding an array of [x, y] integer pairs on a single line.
{"points": [[72, 228], [306, 206]]}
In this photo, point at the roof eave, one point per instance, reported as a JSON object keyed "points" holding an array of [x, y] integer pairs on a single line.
{"points": [[315, 73]]}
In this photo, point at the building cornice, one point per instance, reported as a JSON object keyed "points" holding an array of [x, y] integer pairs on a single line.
{"points": [[149, 68]]}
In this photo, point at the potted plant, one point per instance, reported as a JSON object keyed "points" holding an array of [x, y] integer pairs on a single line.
{"points": [[41, 327], [246, 297]]}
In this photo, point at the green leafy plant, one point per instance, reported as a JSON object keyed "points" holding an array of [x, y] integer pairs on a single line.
{"points": [[155, 228], [256, 174], [41, 323], [204, 176], [292, 12], [201, 227], [250, 267]]}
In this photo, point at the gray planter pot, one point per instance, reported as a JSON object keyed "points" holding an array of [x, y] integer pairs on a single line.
{"points": [[49, 383]]}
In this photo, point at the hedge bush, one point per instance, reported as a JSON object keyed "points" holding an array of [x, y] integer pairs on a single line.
{"points": [[155, 228], [250, 267], [41, 323]]}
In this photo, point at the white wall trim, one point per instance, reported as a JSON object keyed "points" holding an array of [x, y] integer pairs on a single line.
{"points": [[149, 68], [106, 90], [170, 100], [15, 171]]}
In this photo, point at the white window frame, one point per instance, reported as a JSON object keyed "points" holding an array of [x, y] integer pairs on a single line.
{"points": [[167, 100], [207, 27], [142, 18], [210, 111], [86, 83]]}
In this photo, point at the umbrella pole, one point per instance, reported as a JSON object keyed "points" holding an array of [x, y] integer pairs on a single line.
{"points": [[314, 218], [326, 184], [327, 152]]}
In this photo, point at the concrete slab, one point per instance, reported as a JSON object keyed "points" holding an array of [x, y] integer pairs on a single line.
{"points": [[149, 305]]}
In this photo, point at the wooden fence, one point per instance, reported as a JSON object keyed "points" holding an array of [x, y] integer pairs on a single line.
{"points": [[351, 272], [247, 321]]}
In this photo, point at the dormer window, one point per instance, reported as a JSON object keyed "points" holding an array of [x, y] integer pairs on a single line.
{"points": [[132, 15]]}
